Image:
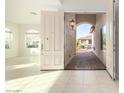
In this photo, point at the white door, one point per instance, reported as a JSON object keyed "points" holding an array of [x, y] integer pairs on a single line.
{"points": [[116, 39], [52, 32], [111, 39], [110, 42]]}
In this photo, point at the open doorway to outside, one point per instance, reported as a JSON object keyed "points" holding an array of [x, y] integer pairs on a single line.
{"points": [[83, 37], [88, 34]]}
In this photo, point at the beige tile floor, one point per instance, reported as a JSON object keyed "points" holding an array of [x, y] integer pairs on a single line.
{"points": [[29, 79]]}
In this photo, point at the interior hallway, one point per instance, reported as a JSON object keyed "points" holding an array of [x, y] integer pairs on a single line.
{"points": [[85, 60]]}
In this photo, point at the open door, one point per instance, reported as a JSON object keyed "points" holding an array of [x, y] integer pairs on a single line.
{"points": [[52, 35], [112, 36], [116, 39], [110, 40]]}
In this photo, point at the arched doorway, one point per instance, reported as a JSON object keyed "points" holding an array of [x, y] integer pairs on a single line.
{"points": [[83, 36], [85, 58]]}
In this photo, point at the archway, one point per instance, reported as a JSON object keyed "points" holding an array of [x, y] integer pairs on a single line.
{"points": [[85, 58], [83, 36]]}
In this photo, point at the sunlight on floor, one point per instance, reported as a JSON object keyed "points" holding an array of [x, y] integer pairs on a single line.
{"points": [[65, 82], [24, 76], [20, 66], [33, 83]]}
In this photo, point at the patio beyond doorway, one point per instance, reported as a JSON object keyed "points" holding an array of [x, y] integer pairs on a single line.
{"points": [[85, 60]]}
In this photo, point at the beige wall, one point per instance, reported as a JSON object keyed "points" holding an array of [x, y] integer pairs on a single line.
{"points": [[100, 22], [86, 18], [13, 52], [70, 39]]}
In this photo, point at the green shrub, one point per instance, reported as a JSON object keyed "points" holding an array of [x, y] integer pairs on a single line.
{"points": [[81, 46]]}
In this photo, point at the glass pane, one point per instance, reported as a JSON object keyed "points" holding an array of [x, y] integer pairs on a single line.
{"points": [[32, 40]]}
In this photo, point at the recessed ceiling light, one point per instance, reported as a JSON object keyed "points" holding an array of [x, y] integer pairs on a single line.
{"points": [[33, 13]]}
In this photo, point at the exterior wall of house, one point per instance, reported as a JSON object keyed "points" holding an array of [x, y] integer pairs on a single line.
{"points": [[70, 39], [12, 52], [85, 41], [100, 22], [23, 50], [86, 18]]}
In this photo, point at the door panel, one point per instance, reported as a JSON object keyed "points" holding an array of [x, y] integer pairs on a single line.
{"points": [[110, 55], [52, 40], [116, 39]]}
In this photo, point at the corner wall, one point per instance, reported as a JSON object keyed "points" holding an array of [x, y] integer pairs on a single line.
{"points": [[100, 22], [18, 45]]}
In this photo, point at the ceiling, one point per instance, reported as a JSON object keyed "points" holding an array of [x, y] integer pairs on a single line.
{"points": [[18, 11]]}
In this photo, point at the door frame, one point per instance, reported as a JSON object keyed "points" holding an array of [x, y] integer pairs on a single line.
{"points": [[95, 12], [116, 39]]}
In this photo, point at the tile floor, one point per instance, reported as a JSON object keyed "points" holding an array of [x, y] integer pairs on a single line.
{"points": [[28, 79], [85, 60]]}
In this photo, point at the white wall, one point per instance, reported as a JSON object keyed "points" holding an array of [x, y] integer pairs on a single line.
{"points": [[13, 52], [70, 39], [100, 22], [85, 5], [18, 45], [23, 51]]}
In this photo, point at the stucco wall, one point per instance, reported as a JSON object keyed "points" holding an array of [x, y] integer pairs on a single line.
{"points": [[100, 22], [86, 18], [70, 39]]}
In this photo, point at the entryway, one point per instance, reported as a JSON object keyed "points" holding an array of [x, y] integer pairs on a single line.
{"points": [[85, 41], [85, 60]]}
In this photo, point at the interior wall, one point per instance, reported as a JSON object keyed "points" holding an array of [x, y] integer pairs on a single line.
{"points": [[13, 52], [70, 39], [23, 28], [100, 22]]}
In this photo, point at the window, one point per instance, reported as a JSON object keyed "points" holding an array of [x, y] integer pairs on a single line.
{"points": [[8, 39], [32, 39]]}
